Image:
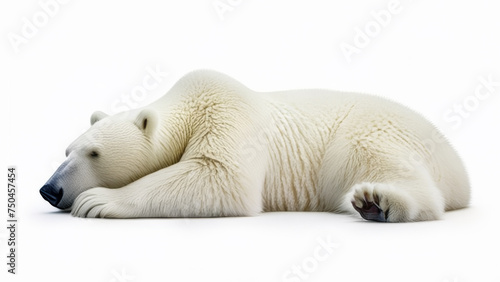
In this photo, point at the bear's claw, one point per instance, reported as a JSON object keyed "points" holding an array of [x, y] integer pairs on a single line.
{"points": [[371, 211]]}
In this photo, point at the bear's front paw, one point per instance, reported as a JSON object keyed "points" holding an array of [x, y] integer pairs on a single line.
{"points": [[95, 202], [380, 202]]}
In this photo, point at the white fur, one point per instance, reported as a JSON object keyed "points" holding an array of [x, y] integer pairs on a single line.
{"points": [[212, 147]]}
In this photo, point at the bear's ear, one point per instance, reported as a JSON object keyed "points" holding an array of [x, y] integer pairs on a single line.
{"points": [[97, 116], [147, 120]]}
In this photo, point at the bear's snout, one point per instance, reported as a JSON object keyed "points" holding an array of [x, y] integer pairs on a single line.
{"points": [[51, 194]]}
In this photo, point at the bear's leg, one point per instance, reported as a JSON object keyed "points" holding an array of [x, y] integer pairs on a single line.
{"points": [[192, 188], [396, 201]]}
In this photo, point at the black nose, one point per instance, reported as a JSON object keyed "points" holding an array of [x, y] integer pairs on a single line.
{"points": [[51, 194]]}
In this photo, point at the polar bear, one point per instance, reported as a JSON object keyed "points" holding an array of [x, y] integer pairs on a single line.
{"points": [[213, 147]]}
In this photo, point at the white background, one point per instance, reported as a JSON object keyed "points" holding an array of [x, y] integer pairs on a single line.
{"points": [[91, 55]]}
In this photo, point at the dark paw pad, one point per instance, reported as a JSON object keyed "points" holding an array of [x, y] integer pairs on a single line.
{"points": [[371, 211]]}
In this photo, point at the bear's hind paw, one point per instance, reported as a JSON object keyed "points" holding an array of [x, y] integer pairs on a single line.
{"points": [[381, 202], [368, 206]]}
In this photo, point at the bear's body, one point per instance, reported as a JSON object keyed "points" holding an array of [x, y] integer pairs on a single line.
{"points": [[212, 147]]}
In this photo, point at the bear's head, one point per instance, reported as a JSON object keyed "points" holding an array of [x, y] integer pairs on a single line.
{"points": [[114, 152]]}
